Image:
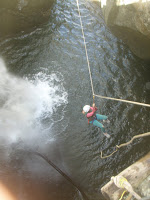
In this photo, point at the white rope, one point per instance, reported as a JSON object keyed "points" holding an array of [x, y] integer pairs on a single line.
{"points": [[85, 48], [103, 97], [123, 100]]}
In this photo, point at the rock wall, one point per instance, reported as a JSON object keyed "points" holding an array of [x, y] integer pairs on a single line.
{"points": [[130, 21], [20, 15]]}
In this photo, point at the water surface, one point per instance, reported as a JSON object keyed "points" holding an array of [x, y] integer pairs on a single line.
{"points": [[43, 87]]}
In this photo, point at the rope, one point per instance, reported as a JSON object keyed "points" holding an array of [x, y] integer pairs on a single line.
{"points": [[125, 144], [122, 195], [121, 182], [123, 100], [88, 63], [136, 136], [85, 49], [109, 154]]}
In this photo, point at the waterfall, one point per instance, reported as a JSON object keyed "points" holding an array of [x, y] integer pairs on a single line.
{"points": [[25, 103]]}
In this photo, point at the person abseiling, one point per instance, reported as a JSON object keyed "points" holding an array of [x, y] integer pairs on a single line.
{"points": [[93, 117]]}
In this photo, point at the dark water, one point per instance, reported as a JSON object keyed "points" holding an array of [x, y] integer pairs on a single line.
{"points": [[42, 96]]}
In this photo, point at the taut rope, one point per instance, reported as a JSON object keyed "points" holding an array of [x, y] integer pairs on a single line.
{"points": [[88, 63]]}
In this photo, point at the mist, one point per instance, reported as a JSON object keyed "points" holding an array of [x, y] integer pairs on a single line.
{"points": [[25, 105]]}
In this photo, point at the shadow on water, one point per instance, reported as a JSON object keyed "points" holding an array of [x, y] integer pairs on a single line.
{"points": [[51, 64], [29, 175], [23, 15]]}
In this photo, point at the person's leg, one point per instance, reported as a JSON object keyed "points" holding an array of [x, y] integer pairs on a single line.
{"points": [[101, 117], [98, 124]]}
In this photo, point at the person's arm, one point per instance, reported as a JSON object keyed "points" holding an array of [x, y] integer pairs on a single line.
{"points": [[93, 105], [94, 109]]}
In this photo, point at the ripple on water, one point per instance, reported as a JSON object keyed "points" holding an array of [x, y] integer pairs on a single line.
{"points": [[57, 48]]}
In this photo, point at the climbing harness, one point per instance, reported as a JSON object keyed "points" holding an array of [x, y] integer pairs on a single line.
{"points": [[125, 144], [88, 63], [93, 117]]}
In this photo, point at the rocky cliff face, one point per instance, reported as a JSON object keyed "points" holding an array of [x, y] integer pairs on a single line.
{"points": [[20, 15], [130, 21]]}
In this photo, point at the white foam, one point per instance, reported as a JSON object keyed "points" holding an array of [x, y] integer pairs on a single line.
{"points": [[24, 104]]}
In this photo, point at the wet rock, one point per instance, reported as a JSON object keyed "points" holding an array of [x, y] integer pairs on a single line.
{"points": [[21, 15], [130, 21]]}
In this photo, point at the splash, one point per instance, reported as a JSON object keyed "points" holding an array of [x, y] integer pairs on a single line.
{"points": [[24, 103]]}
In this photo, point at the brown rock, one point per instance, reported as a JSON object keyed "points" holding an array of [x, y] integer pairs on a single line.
{"points": [[130, 21]]}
